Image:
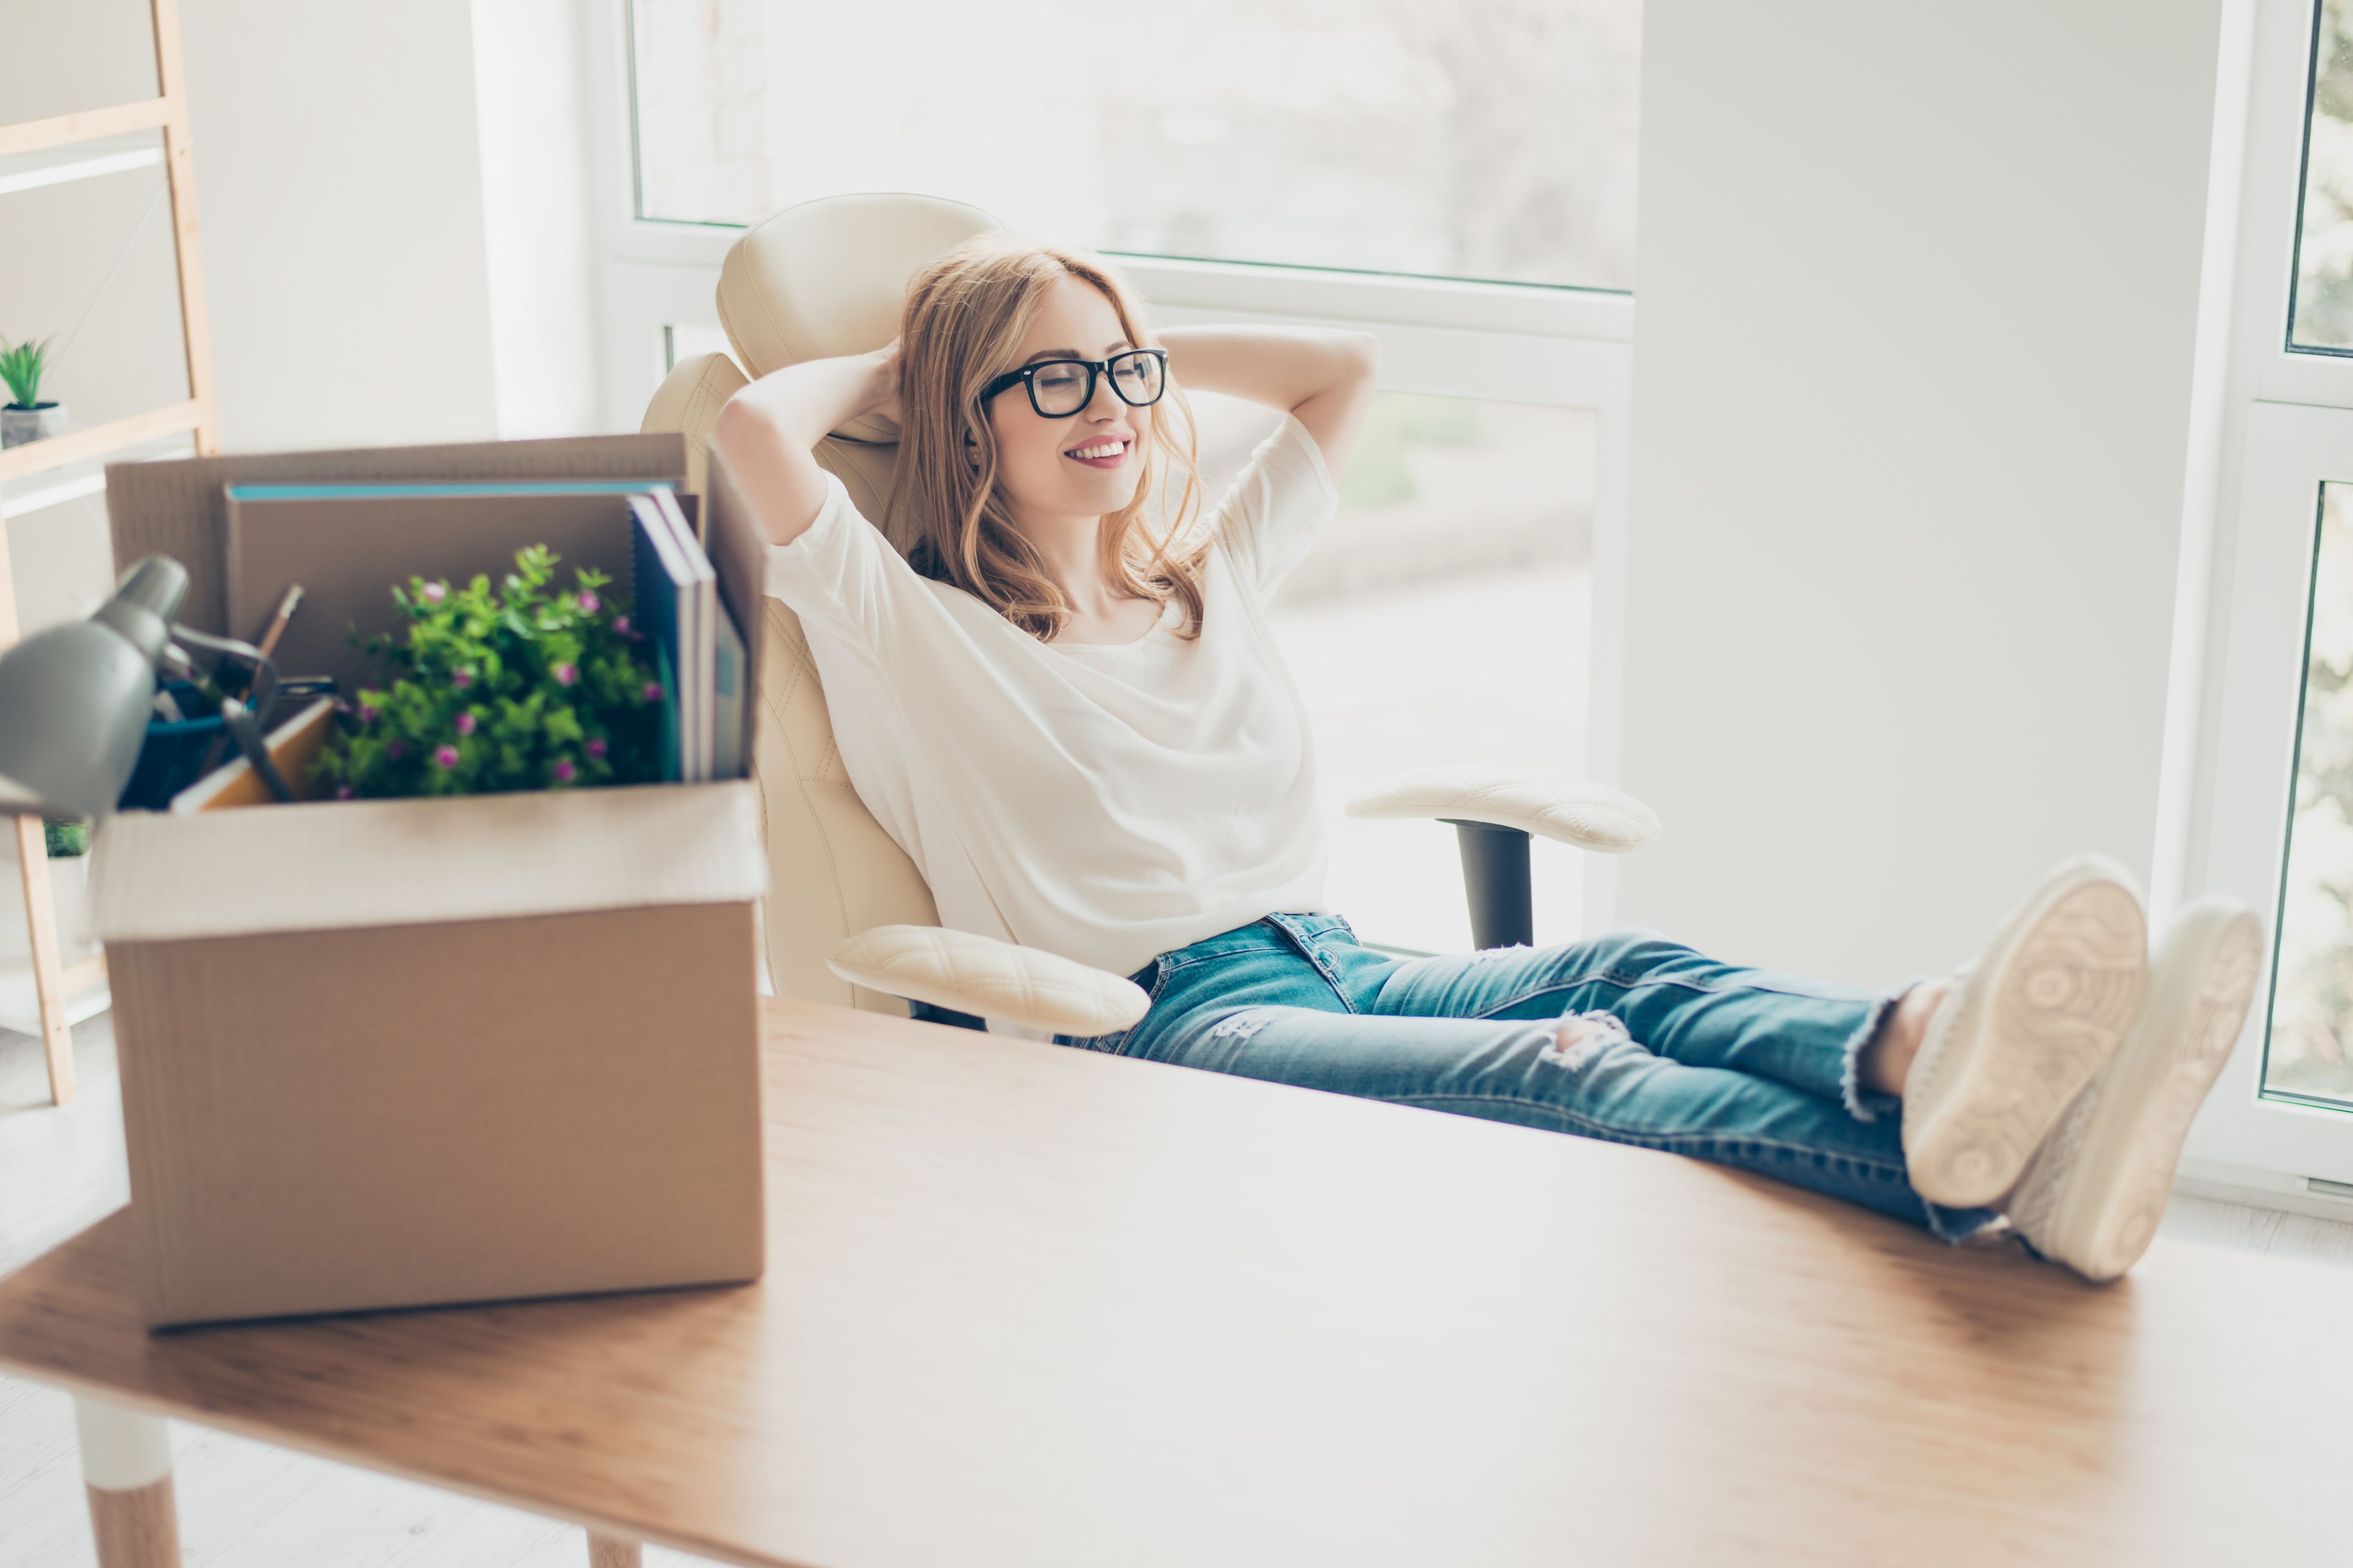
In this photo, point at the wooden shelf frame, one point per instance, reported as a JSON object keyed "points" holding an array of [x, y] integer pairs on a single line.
{"points": [[55, 981], [85, 125], [60, 451]]}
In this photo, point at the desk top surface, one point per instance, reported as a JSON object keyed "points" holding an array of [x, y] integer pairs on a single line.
{"points": [[1028, 1305]]}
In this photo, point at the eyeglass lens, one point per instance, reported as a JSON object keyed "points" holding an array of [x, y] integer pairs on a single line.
{"points": [[1063, 387]]}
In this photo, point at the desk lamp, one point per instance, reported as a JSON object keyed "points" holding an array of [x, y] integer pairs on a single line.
{"points": [[75, 698]]}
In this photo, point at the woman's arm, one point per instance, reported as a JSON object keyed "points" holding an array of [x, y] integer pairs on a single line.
{"points": [[1324, 376], [767, 431]]}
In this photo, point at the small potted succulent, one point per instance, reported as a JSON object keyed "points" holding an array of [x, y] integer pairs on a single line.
{"points": [[24, 417], [521, 685]]}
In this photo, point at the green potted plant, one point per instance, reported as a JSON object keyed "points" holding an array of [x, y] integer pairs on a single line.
{"points": [[26, 417], [522, 686]]}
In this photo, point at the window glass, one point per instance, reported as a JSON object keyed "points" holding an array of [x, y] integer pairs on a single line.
{"points": [[1442, 619], [2311, 1047], [685, 340], [1484, 139], [2322, 315]]}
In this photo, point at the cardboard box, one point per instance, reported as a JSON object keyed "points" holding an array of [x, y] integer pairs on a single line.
{"points": [[402, 1053]]}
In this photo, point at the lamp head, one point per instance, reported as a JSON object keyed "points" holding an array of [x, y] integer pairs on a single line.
{"points": [[74, 699]]}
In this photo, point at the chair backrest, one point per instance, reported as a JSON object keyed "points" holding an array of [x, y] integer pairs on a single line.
{"points": [[826, 278]]}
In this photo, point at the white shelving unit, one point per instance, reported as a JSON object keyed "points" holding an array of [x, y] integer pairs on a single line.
{"points": [[52, 986]]}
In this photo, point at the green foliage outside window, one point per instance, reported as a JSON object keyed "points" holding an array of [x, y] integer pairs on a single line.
{"points": [[2324, 285], [2312, 1022], [1378, 471]]}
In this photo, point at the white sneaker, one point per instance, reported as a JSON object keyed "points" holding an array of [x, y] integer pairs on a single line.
{"points": [[2023, 1031], [2093, 1195]]}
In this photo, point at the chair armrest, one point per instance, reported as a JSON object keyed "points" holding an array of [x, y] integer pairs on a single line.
{"points": [[1551, 805], [972, 973]]}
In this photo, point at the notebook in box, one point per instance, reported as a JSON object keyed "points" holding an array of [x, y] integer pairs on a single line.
{"points": [[348, 544], [730, 690], [662, 610], [703, 678], [674, 602]]}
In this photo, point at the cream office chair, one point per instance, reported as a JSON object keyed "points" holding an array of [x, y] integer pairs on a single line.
{"points": [[848, 917]]}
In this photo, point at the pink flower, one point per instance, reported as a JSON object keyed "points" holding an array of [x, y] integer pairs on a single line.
{"points": [[596, 747], [395, 748], [343, 792], [465, 724], [587, 602], [367, 712], [621, 625], [462, 678], [447, 756], [653, 692], [563, 770], [565, 674], [436, 591]]}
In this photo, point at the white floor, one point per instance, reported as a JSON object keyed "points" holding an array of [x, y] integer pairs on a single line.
{"points": [[245, 1505]]}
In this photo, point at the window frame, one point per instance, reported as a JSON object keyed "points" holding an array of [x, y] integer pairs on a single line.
{"points": [[1550, 346], [2285, 428], [2291, 451]]}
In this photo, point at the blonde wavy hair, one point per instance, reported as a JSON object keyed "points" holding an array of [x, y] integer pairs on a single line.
{"points": [[965, 317]]}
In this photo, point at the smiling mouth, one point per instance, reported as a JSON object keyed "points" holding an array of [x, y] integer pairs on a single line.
{"points": [[1102, 453]]}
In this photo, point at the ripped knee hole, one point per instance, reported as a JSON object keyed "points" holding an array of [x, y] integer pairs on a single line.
{"points": [[1238, 1028], [1582, 1037]]}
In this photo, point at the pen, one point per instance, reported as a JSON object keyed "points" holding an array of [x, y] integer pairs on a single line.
{"points": [[254, 687], [277, 628], [268, 646]]}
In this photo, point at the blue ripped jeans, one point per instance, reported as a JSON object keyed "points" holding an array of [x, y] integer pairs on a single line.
{"points": [[1741, 1067]]}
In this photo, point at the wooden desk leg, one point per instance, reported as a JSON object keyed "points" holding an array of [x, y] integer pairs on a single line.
{"points": [[126, 1464], [612, 1551]]}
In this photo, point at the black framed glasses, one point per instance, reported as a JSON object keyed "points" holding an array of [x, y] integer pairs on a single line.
{"points": [[1061, 388]]}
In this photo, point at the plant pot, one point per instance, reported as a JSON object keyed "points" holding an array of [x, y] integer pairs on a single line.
{"points": [[69, 893], [19, 424]]}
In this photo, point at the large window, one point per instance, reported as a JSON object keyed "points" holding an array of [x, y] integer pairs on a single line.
{"points": [[2322, 317], [1484, 139], [1456, 176], [2311, 1046], [1443, 620], [2273, 821]]}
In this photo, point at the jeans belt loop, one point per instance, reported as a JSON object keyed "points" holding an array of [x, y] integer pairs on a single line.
{"points": [[1313, 954]]}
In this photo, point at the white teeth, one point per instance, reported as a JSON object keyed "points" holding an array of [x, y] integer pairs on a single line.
{"points": [[1107, 449]]}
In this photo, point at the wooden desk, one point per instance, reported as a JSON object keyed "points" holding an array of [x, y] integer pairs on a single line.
{"points": [[1030, 1306]]}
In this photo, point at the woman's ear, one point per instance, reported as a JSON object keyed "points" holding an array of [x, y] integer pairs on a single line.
{"points": [[971, 449]]}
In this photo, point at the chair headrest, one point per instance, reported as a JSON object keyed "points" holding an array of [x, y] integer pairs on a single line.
{"points": [[829, 276]]}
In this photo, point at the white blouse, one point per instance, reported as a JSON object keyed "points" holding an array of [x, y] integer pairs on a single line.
{"points": [[1107, 803]]}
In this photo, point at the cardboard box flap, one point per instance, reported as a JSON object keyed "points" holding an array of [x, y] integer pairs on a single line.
{"points": [[347, 864], [178, 508]]}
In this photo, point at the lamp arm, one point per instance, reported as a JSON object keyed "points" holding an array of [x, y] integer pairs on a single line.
{"points": [[245, 650]]}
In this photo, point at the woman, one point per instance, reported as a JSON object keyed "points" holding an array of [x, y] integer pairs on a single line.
{"points": [[1078, 725]]}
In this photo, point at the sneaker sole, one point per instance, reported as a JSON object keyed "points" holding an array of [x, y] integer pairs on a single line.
{"points": [[2122, 1176], [2068, 990]]}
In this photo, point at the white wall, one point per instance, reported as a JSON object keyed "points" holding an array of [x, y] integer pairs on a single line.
{"points": [[393, 213], [1912, 388], [339, 186], [88, 263], [341, 217], [537, 223]]}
